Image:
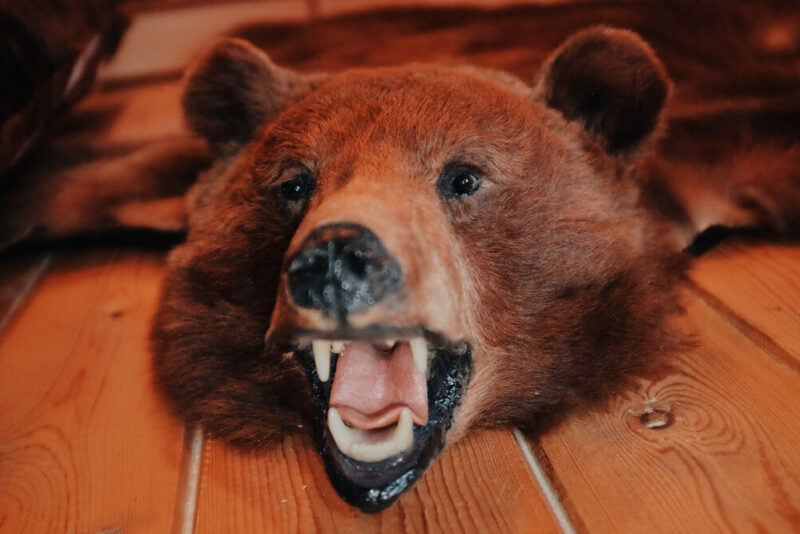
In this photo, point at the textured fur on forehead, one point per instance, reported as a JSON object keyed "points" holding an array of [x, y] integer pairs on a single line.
{"points": [[414, 117]]}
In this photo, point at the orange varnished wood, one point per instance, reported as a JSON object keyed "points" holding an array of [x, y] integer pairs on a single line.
{"points": [[759, 284], [481, 484], [18, 276], [85, 446], [710, 447]]}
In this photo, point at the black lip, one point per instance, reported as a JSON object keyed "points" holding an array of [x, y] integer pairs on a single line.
{"points": [[372, 487]]}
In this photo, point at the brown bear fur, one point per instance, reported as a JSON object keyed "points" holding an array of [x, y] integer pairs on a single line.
{"points": [[553, 270]]}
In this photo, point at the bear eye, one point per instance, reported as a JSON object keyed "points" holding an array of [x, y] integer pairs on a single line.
{"points": [[459, 181], [298, 188]]}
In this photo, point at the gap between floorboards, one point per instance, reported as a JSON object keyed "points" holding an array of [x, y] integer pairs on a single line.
{"points": [[35, 273], [545, 485], [189, 481]]}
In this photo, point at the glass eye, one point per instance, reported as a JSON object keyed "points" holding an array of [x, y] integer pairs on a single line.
{"points": [[298, 188], [459, 181]]}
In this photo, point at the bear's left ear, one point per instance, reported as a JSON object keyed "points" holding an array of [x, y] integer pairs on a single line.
{"points": [[234, 89], [610, 81]]}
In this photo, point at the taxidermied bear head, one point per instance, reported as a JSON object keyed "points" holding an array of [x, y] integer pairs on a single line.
{"points": [[400, 255]]}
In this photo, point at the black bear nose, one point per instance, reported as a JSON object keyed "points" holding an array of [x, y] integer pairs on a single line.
{"points": [[341, 269]]}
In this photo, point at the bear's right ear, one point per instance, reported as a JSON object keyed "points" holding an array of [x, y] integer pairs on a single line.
{"points": [[611, 82], [234, 88]]}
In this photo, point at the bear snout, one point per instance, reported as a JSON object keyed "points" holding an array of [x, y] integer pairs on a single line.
{"points": [[340, 269]]}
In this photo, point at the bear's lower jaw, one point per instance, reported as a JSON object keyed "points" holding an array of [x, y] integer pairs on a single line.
{"points": [[373, 459]]}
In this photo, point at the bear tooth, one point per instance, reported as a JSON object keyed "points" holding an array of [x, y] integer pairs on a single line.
{"points": [[337, 347], [403, 435], [390, 342], [322, 358], [355, 443], [341, 434], [419, 348]]}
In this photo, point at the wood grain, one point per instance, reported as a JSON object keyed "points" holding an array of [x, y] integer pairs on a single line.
{"points": [[710, 447], [479, 485], [85, 446], [757, 287]]}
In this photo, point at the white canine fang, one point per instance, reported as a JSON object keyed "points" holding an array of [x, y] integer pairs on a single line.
{"points": [[419, 348], [371, 445], [322, 358]]}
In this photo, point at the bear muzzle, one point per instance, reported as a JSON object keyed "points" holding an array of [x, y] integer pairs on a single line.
{"points": [[373, 331]]}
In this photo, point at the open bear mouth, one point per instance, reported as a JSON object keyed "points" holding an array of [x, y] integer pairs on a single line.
{"points": [[385, 399]]}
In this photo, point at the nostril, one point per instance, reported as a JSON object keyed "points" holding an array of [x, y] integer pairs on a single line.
{"points": [[308, 265], [341, 269], [354, 262], [302, 263]]}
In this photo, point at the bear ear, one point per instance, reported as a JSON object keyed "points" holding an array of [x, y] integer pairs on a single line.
{"points": [[234, 88], [609, 80]]}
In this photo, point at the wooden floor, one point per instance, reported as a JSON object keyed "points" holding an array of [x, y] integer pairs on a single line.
{"points": [[86, 446]]}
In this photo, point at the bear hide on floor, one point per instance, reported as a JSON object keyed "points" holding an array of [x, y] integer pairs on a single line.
{"points": [[397, 255]]}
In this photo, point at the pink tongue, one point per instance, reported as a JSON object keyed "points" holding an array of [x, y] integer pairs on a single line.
{"points": [[370, 388]]}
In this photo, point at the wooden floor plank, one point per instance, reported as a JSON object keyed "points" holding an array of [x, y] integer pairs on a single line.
{"points": [[710, 447], [758, 284], [85, 445], [479, 485]]}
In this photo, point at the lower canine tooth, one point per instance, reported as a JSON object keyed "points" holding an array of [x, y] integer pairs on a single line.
{"points": [[356, 444], [404, 432], [322, 358], [419, 348]]}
